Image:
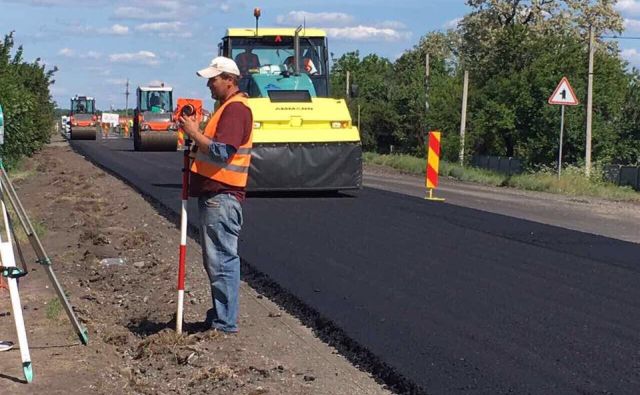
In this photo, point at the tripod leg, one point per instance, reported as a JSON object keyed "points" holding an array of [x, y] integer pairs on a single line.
{"points": [[8, 260], [7, 189]]}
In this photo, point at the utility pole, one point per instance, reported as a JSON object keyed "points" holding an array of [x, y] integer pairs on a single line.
{"points": [[587, 155], [426, 81], [426, 98], [463, 118], [347, 86], [126, 100]]}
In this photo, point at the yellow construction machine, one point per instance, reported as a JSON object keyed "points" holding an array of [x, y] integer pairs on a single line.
{"points": [[302, 138]]}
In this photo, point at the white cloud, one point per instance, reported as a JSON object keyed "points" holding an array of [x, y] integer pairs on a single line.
{"points": [[342, 26], [367, 33], [83, 30], [165, 29], [159, 26], [628, 7], [166, 10], [132, 13], [312, 19], [452, 24], [140, 57], [68, 52], [72, 53], [91, 55], [632, 25], [118, 30], [632, 56]]}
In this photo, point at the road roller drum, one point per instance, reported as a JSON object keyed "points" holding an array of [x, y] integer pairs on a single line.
{"points": [[83, 133], [156, 141]]}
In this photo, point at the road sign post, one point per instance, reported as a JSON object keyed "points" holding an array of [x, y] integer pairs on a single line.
{"points": [[563, 95], [560, 143]]}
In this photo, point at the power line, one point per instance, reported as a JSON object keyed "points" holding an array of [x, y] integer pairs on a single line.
{"points": [[621, 37]]}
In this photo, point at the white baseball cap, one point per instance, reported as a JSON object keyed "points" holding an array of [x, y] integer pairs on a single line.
{"points": [[218, 66]]}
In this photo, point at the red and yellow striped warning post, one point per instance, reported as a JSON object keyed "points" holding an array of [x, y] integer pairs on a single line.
{"points": [[433, 164]]}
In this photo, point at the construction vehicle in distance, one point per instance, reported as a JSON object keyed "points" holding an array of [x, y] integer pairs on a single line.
{"points": [[82, 118], [154, 128], [302, 138]]}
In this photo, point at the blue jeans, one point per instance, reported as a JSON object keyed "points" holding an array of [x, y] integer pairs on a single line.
{"points": [[220, 224]]}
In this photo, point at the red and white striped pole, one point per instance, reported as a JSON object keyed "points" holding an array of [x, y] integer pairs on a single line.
{"points": [[187, 108], [183, 236]]}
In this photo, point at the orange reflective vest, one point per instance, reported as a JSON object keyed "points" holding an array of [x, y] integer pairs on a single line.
{"points": [[236, 171]]}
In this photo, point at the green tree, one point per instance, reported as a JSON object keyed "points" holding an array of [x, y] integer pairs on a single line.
{"points": [[25, 97], [372, 76], [516, 52]]}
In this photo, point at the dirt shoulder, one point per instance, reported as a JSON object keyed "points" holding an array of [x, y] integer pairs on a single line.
{"points": [[87, 216]]}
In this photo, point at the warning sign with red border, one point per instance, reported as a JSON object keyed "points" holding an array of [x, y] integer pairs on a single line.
{"points": [[564, 94]]}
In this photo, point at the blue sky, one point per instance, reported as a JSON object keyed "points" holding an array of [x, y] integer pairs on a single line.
{"points": [[98, 44]]}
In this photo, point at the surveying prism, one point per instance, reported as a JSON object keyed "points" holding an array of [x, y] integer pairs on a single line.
{"points": [[12, 273]]}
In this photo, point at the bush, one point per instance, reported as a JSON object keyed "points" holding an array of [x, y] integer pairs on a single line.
{"points": [[26, 101]]}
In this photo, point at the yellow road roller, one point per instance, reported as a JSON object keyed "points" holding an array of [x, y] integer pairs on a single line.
{"points": [[154, 128], [303, 139], [82, 118]]}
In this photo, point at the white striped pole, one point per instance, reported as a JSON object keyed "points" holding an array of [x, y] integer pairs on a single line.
{"points": [[8, 261], [183, 237]]}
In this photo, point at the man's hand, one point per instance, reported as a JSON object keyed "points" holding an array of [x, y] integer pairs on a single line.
{"points": [[192, 129], [190, 126]]}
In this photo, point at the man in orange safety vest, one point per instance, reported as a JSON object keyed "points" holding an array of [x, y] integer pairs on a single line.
{"points": [[219, 175]]}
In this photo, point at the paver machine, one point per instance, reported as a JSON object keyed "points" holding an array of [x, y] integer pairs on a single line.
{"points": [[154, 128], [82, 118], [303, 139]]}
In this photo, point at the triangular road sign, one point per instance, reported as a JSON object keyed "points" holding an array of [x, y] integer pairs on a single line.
{"points": [[564, 94]]}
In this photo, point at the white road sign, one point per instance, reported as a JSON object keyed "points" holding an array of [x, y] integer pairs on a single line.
{"points": [[110, 118], [564, 94]]}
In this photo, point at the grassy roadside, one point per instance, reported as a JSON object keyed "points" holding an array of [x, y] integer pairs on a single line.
{"points": [[572, 182], [21, 170]]}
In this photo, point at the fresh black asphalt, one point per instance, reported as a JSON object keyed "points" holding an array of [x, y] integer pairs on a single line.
{"points": [[455, 299]]}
